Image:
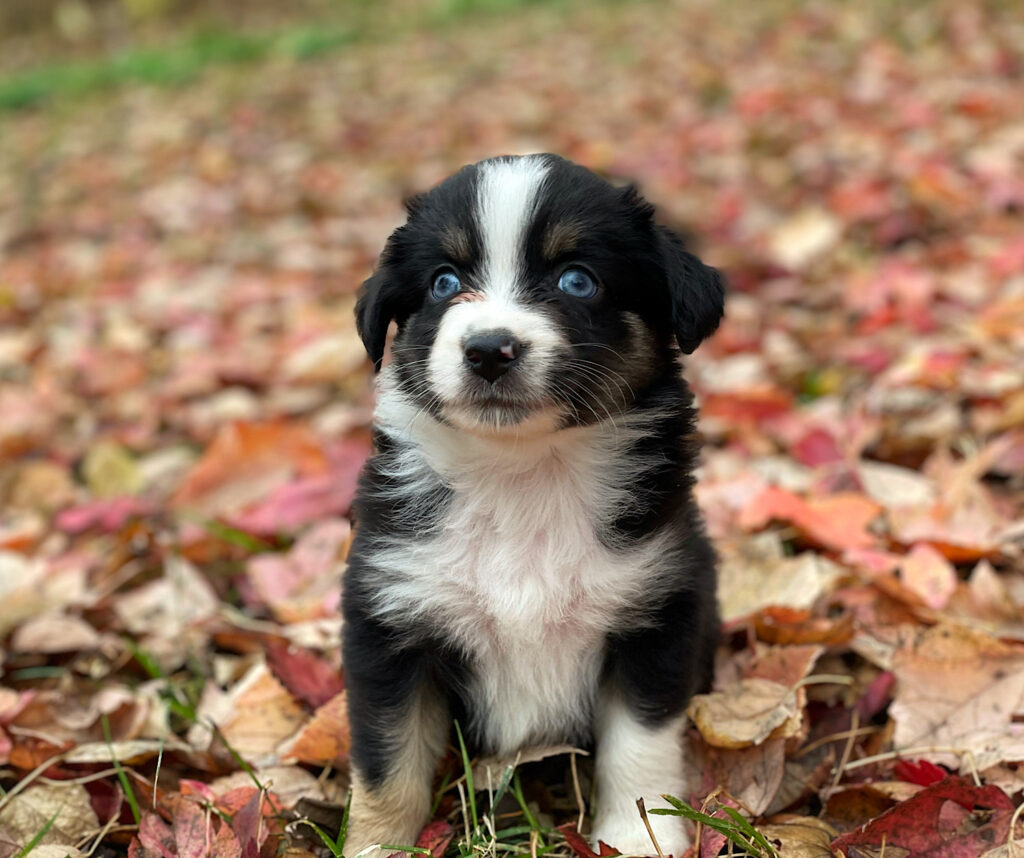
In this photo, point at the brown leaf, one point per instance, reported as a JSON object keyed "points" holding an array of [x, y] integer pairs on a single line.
{"points": [[746, 713], [801, 837], [68, 804], [751, 775], [961, 689], [325, 739]]}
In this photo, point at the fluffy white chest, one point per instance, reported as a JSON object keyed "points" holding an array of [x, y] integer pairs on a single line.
{"points": [[517, 577]]}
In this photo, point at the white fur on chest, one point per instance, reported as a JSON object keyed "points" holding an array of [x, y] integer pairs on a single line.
{"points": [[516, 574]]}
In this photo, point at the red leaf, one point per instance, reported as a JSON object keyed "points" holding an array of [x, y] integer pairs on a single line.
{"points": [[921, 772], [749, 406], [817, 447], [155, 836], [579, 844], [927, 829], [307, 676], [246, 825], [436, 837], [108, 515], [191, 829]]}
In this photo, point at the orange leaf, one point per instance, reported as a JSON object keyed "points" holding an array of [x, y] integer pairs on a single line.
{"points": [[838, 521], [325, 739], [246, 461]]}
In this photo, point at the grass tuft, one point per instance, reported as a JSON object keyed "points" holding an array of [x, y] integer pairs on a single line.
{"points": [[736, 828]]}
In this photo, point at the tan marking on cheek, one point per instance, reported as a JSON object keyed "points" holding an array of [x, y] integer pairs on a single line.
{"points": [[561, 237], [455, 242]]}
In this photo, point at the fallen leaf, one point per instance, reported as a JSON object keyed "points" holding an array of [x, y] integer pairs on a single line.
{"points": [[838, 521], [927, 573], [751, 775], [111, 471], [960, 689], [325, 739], [435, 837], [921, 824], [53, 634], [245, 462], [746, 713], [306, 676], [803, 237], [755, 573], [581, 848], [67, 804], [260, 715], [800, 837]]}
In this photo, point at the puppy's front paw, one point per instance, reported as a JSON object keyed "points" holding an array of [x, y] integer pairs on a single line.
{"points": [[627, 833]]}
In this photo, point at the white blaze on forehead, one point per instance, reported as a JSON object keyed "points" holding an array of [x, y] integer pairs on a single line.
{"points": [[507, 194]]}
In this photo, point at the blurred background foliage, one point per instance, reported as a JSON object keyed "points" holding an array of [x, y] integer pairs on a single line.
{"points": [[54, 47]]}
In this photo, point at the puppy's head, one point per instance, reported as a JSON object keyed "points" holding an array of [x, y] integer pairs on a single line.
{"points": [[530, 293]]}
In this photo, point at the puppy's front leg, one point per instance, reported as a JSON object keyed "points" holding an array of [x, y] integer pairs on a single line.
{"points": [[399, 726], [653, 672], [636, 760]]}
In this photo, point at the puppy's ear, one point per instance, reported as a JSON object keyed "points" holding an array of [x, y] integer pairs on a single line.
{"points": [[696, 290], [374, 312]]}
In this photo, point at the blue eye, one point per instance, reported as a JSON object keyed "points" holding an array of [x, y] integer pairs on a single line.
{"points": [[445, 285], [578, 283]]}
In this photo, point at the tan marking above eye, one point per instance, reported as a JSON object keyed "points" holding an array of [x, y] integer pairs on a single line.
{"points": [[466, 297], [455, 242], [561, 237]]}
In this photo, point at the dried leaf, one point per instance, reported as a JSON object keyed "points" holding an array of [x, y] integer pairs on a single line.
{"points": [[746, 713]]}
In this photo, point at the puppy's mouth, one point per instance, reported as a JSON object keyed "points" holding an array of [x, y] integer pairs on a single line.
{"points": [[495, 407]]}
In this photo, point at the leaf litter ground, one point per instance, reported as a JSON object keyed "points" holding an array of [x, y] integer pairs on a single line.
{"points": [[185, 407]]}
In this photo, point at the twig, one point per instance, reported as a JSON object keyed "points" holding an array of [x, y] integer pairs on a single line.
{"points": [[31, 776], [834, 737], [847, 750], [576, 789], [913, 752], [1011, 843], [647, 824]]}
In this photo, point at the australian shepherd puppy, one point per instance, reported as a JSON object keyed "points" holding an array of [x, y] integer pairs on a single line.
{"points": [[529, 559]]}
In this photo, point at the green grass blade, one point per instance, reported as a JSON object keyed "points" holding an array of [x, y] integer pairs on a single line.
{"points": [[122, 775], [752, 833], [470, 792], [503, 785], [328, 841], [40, 834], [343, 830], [242, 764]]}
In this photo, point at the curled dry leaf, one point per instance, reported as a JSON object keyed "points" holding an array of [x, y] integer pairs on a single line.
{"points": [[755, 574], [746, 713], [801, 837], [68, 804]]}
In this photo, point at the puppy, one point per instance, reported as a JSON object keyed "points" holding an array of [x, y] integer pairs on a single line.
{"points": [[529, 559]]}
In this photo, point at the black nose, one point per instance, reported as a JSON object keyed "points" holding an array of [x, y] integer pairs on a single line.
{"points": [[490, 355]]}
